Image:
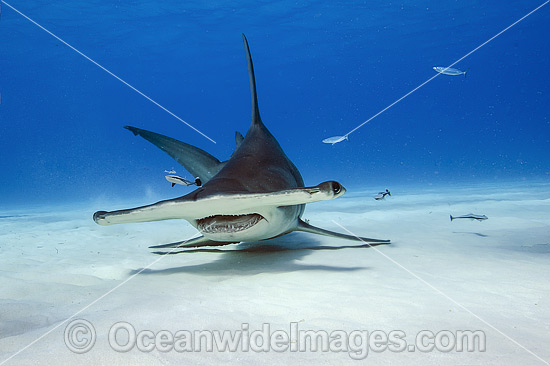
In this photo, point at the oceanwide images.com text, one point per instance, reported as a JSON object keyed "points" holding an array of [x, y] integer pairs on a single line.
{"points": [[80, 337]]}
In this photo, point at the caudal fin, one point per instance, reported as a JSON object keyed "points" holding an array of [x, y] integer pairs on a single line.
{"points": [[196, 161]]}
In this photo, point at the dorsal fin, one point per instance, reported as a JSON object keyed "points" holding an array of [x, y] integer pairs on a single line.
{"points": [[238, 139], [255, 111]]}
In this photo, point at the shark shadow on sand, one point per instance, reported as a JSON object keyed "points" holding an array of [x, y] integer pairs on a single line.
{"points": [[279, 255]]}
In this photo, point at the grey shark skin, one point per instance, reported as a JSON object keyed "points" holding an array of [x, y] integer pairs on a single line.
{"points": [[257, 194]]}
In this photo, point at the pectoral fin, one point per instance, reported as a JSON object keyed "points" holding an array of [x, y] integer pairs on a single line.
{"points": [[302, 226], [197, 242]]}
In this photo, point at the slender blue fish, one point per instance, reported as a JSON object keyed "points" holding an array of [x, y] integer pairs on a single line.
{"points": [[335, 139], [470, 216], [449, 71]]}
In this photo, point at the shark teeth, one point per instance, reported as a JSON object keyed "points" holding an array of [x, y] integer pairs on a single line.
{"points": [[227, 223]]}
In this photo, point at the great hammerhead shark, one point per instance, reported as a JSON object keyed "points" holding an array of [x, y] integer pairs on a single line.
{"points": [[257, 194]]}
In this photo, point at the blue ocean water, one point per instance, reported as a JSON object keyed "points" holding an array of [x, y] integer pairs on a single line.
{"points": [[322, 68]]}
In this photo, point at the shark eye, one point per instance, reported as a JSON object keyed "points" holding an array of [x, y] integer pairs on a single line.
{"points": [[336, 188]]}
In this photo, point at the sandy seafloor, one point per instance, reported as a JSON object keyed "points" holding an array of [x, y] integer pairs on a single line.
{"points": [[436, 275]]}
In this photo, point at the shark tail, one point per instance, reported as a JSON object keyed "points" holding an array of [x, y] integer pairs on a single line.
{"points": [[196, 161], [452, 218]]}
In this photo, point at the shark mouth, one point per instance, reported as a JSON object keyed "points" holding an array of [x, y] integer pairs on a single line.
{"points": [[227, 223]]}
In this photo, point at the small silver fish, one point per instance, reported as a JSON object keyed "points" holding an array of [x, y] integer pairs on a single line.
{"points": [[449, 71], [174, 179], [172, 171], [335, 139], [382, 195], [470, 216]]}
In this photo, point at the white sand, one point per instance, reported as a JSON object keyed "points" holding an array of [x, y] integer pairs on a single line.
{"points": [[437, 275]]}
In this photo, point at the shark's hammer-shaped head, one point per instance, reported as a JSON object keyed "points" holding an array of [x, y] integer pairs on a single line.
{"points": [[231, 217]]}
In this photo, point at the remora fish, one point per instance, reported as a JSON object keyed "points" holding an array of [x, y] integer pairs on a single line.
{"points": [[257, 194], [449, 71], [176, 179], [470, 216], [335, 139], [382, 195]]}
